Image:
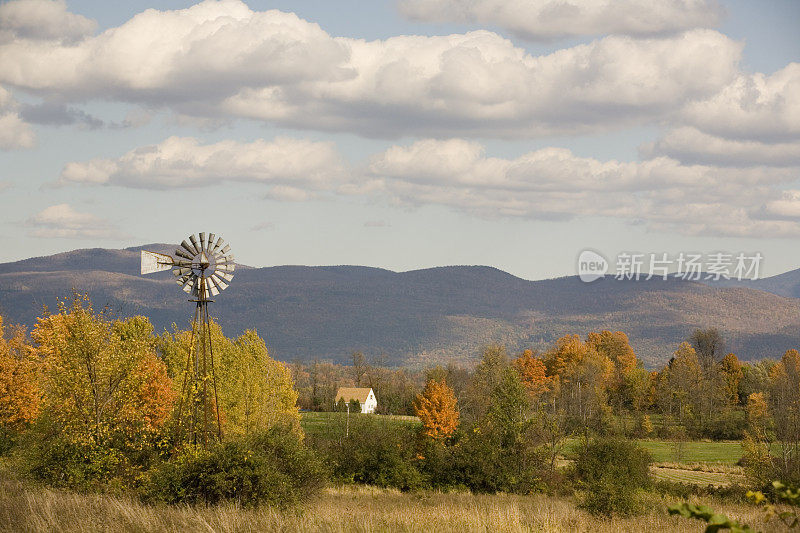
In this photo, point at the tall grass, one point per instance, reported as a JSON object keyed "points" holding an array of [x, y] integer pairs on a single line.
{"points": [[30, 508]]}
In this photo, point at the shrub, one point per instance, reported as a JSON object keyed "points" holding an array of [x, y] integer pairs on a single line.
{"points": [[272, 467], [612, 473], [374, 451], [77, 465]]}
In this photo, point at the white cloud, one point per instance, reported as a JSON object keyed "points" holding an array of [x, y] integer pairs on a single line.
{"points": [[185, 162], [756, 106], [786, 207], [42, 20], [14, 131], [555, 184], [481, 84], [550, 183], [62, 221], [690, 145], [549, 19], [220, 59]]}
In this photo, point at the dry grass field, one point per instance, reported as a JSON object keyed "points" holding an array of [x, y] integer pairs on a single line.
{"points": [[352, 509]]}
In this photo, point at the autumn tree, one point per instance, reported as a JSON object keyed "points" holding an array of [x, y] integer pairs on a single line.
{"points": [[20, 394], [616, 347], [255, 391], [437, 410], [708, 345], [580, 374], [106, 395], [732, 374], [533, 374], [680, 382], [784, 397]]}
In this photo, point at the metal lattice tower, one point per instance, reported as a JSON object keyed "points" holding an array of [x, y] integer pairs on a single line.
{"points": [[203, 269]]}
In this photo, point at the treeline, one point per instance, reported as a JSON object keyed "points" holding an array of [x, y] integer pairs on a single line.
{"points": [[593, 384]]}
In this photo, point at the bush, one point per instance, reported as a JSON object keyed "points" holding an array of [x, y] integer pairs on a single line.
{"points": [[612, 474], [81, 466], [374, 451], [273, 467]]}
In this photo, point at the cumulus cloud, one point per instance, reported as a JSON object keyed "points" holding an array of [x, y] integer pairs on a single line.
{"points": [[42, 20], [185, 162], [555, 184], [221, 59], [690, 145], [754, 106], [14, 131], [552, 183], [62, 221], [550, 19]]}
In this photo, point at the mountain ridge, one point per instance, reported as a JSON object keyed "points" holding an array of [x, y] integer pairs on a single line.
{"points": [[416, 317]]}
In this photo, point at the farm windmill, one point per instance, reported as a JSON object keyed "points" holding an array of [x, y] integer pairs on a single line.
{"points": [[202, 268]]}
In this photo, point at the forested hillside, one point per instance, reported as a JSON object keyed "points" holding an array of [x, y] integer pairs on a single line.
{"points": [[417, 317]]}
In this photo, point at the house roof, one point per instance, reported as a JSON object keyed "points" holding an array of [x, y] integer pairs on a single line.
{"points": [[353, 393]]}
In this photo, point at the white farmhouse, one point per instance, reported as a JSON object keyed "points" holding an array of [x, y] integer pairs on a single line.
{"points": [[365, 397]]}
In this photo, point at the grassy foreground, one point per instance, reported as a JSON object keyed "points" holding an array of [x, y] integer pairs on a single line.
{"points": [[30, 508]]}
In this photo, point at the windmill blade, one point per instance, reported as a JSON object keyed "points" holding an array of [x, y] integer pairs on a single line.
{"points": [[217, 246], [202, 241], [224, 275], [226, 249], [189, 248], [182, 263], [194, 242], [210, 242], [221, 284], [212, 288], [190, 286], [180, 252], [155, 262], [180, 272]]}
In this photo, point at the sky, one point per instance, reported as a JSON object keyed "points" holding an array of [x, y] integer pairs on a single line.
{"points": [[403, 134]]}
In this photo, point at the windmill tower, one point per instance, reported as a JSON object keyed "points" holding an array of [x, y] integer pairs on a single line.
{"points": [[202, 268]]}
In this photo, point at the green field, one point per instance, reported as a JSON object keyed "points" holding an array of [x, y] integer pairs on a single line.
{"points": [[665, 451], [314, 423]]}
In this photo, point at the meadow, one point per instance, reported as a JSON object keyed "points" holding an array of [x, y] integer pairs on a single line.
{"points": [[35, 509]]}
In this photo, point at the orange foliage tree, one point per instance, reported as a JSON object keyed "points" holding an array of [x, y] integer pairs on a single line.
{"points": [[580, 374], [533, 373], [102, 381], [436, 408], [20, 396]]}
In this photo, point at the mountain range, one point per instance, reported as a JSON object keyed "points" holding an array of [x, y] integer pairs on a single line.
{"points": [[418, 317]]}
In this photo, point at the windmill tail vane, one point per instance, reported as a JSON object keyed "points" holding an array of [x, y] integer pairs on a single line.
{"points": [[203, 267]]}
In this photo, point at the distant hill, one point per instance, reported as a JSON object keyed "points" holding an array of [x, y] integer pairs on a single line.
{"points": [[417, 317]]}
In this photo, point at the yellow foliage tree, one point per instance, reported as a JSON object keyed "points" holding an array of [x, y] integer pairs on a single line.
{"points": [[437, 410], [732, 374], [255, 391], [102, 380], [20, 395]]}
